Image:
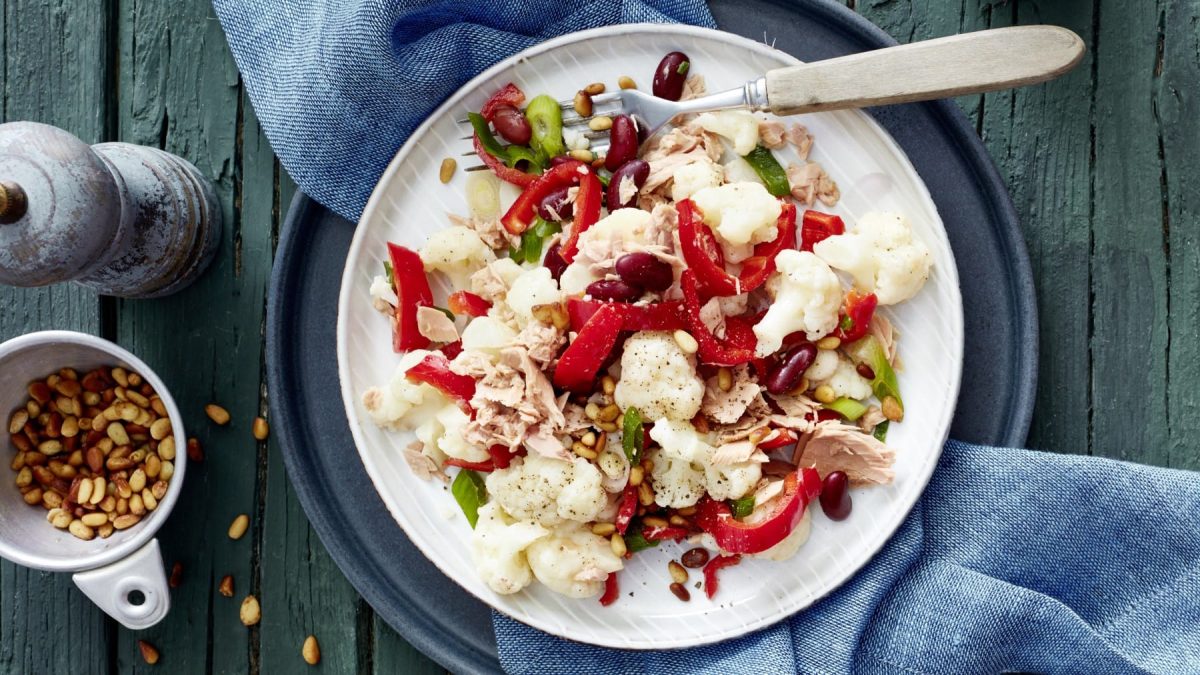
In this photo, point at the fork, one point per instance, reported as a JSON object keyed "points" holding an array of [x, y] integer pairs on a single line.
{"points": [[970, 63]]}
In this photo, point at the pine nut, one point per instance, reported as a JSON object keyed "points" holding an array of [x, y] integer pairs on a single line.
{"points": [[153, 466], [626, 82], [608, 385], [645, 494], [94, 519], [217, 414], [195, 451], [149, 653], [239, 526], [166, 448], [136, 506], [176, 578], [138, 400], [127, 521], [166, 473], [137, 481], [591, 410], [604, 529], [825, 394], [85, 492], [686, 342], [585, 156], [50, 448], [724, 378], [584, 451], [121, 376], [250, 612], [635, 476], [446, 172], [618, 545], [59, 518], [600, 123], [589, 439], [160, 429], [678, 574], [311, 651], [99, 490], [149, 500], [892, 409], [655, 521], [51, 500], [80, 530], [226, 587], [681, 592], [105, 531], [17, 422], [261, 429], [583, 104], [609, 413], [677, 520], [34, 496], [601, 442], [829, 342], [116, 431]]}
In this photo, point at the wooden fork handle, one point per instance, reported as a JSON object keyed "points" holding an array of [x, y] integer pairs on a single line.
{"points": [[970, 63]]}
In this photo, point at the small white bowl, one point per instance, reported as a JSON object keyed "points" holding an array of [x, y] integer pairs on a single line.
{"points": [[113, 571]]}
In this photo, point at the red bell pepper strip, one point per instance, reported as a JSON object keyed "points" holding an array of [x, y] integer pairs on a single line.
{"points": [[817, 226], [412, 291], [782, 437], [611, 591], [666, 315], [734, 536], [452, 349], [519, 216], [712, 350], [587, 212], [710, 572], [501, 456], [702, 252], [578, 365], [503, 171], [483, 467], [509, 94], [856, 316], [434, 370], [629, 503], [664, 533], [759, 267], [466, 302]]}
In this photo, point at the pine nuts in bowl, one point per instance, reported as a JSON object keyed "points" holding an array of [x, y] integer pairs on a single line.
{"points": [[93, 439]]}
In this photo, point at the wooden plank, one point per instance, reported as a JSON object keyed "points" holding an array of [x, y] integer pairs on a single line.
{"points": [[1040, 138], [53, 64], [180, 92], [395, 655], [1178, 110], [1129, 333]]}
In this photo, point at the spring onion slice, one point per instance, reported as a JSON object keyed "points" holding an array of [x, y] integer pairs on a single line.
{"points": [[848, 408]]}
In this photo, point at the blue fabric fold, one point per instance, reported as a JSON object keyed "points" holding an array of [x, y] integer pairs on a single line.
{"points": [[339, 85], [1012, 561]]}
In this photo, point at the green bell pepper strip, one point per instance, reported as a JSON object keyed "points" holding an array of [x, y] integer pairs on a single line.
{"points": [[848, 408], [869, 351], [635, 541], [880, 432], [545, 119], [742, 507], [511, 155], [468, 490], [632, 435], [769, 170]]}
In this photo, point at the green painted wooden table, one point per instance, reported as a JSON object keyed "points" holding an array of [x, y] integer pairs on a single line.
{"points": [[1103, 167]]}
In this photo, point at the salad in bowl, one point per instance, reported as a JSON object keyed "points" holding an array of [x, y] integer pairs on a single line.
{"points": [[667, 343]]}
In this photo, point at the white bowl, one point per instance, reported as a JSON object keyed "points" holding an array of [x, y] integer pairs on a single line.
{"points": [[409, 203], [113, 567]]}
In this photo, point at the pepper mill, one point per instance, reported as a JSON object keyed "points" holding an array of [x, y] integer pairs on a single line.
{"points": [[120, 219]]}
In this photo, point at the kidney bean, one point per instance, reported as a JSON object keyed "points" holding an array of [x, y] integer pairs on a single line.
{"points": [[555, 207], [554, 262], [670, 76], [614, 289], [622, 142], [511, 124], [636, 169], [786, 374], [643, 269], [835, 496]]}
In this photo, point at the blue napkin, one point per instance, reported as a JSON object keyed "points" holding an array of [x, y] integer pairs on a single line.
{"points": [[338, 85], [1012, 560]]}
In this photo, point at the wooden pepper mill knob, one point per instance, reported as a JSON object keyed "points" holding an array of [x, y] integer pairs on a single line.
{"points": [[121, 219]]}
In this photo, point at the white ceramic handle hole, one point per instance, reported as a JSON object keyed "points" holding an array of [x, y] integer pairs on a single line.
{"points": [[132, 590]]}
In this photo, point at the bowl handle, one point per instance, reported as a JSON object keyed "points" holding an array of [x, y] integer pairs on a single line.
{"points": [[114, 588]]}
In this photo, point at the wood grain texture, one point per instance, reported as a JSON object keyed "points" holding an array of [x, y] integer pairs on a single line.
{"points": [[53, 71], [1178, 112], [1129, 333], [943, 67]]}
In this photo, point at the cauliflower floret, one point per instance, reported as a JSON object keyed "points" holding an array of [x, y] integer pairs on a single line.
{"points": [[428, 432], [498, 545], [487, 334], [532, 288], [823, 366], [807, 297], [402, 404], [575, 140], [453, 441], [683, 469], [458, 252], [740, 213], [882, 255], [739, 171], [659, 378], [603, 241], [691, 178], [573, 561], [739, 126], [845, 381], [576, 278], [549, 490]]}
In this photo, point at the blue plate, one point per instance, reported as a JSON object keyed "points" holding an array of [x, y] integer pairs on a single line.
{"points": [[453, 628]]}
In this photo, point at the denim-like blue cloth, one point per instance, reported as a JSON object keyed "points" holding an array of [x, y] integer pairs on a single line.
{"points": [[1013, 560], [338, 85]]}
